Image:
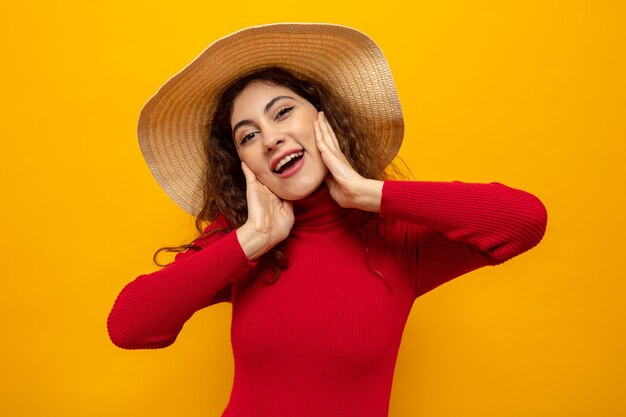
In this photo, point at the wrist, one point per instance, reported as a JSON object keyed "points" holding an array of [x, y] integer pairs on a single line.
{"points": [[253, 243], [369, 195]]}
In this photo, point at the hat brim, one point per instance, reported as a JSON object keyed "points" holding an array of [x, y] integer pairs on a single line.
{"points": [[173, 124]]}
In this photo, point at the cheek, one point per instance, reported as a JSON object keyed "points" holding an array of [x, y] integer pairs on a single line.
{"points": [[246, 156], [253, 162], [306, 133]]}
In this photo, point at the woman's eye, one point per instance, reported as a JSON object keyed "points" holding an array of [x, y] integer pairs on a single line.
{"points": [[282, 112], [247, 137]]}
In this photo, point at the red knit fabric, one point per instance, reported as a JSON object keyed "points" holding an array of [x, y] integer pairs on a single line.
{"points": [[323, 340]]}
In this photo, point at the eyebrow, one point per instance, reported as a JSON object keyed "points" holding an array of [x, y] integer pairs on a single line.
{"points": [[267, 108]]}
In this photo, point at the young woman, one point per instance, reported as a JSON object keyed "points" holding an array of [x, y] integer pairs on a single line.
{"points": [[320, 255]]}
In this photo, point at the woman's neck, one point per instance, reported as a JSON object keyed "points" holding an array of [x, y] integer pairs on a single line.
{"points": [[318, 209]]}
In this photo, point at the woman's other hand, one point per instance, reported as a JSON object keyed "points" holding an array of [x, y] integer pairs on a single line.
{"points": [[347, 187], [270, 219]]}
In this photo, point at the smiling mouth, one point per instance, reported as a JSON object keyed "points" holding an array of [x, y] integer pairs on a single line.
{"points": [[288, 161]]}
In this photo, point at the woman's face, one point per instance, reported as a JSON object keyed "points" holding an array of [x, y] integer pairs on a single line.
{"points": [[274, 135]]}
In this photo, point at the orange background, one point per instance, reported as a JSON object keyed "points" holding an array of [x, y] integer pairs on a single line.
{"points": [[528, 93]]}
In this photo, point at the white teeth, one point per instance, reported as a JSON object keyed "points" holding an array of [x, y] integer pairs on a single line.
{"points": [[286, 159]]}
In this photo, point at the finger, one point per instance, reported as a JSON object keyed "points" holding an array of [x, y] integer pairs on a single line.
{"points": [[247, 172], [328, 127], [325, 144], [328, 131], [323, 132], [332, 157], [319, 137]]}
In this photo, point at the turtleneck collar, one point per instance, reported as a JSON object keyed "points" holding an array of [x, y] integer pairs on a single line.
{"points": [[318, 209]]}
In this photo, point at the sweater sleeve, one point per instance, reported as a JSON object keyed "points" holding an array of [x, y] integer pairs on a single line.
{"points": [[459, 227], [150, 311]]}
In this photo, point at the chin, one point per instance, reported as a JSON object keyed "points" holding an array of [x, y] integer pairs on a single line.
{"points": [[302, 191]]}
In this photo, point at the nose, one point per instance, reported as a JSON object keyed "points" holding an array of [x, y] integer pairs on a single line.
{"points": [[272, 140]]}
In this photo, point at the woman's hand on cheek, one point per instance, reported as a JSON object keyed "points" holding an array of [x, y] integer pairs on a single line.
{"points": [[347, 187], [270, 219]]}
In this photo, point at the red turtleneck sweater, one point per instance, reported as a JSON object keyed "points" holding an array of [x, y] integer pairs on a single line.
{"points": [[323, 340]]}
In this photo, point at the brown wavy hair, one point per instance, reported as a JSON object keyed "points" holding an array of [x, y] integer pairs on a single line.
{"points": [[224, 184]]}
